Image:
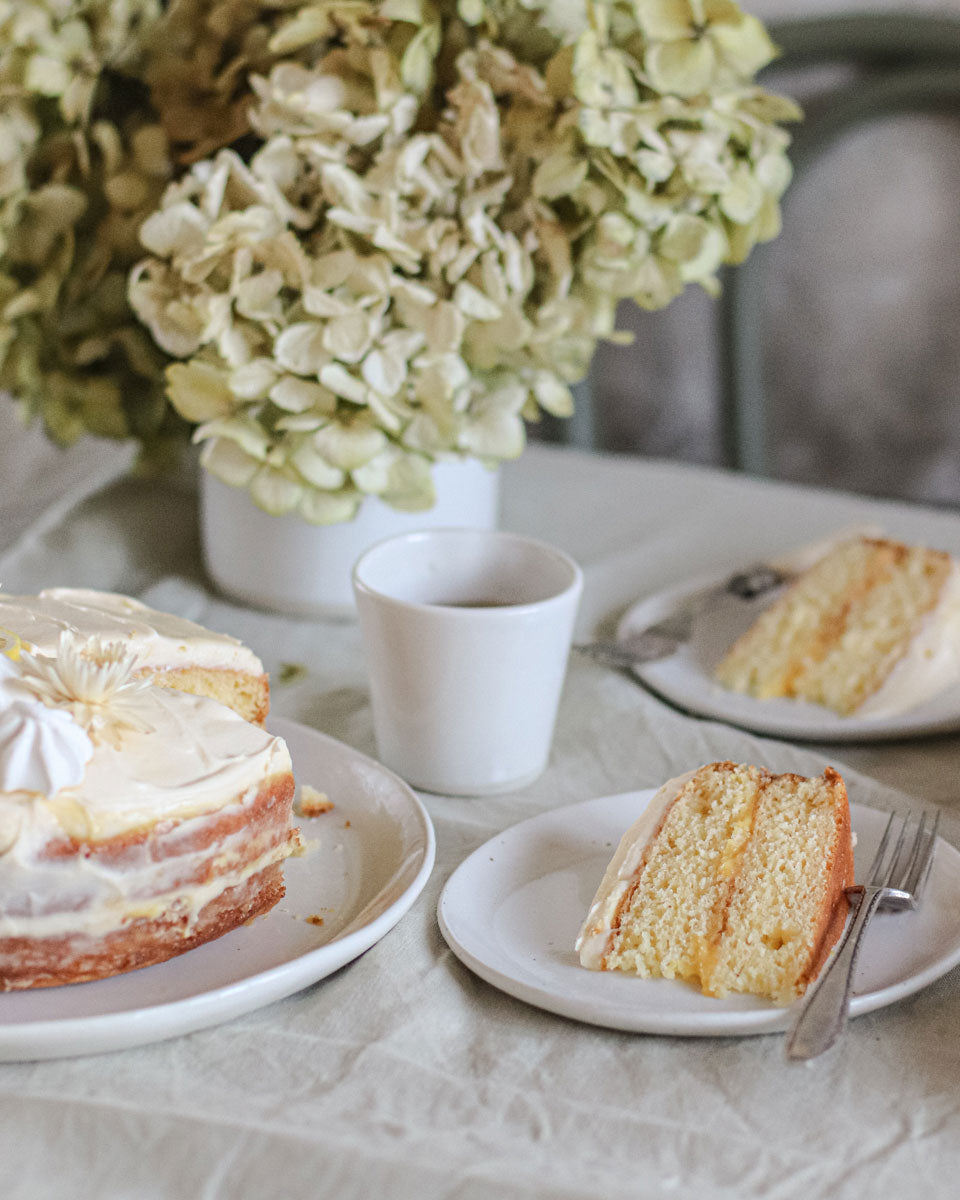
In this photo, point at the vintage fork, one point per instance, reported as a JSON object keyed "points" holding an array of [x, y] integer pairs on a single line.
{"points": [[663, 638], [896, 881]]}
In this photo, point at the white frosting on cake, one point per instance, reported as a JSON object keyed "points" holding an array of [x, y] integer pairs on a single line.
{"points": [[931, 663], [594, 937], [197, 757], [42, 749], [159, 640], [137, 887]]}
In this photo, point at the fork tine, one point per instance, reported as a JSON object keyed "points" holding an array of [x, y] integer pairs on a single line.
{"points": [[881, 851], [893, 867], [909, 873], [923, 857]]}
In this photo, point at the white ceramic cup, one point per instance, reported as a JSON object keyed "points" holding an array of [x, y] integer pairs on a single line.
{"points": [[466, 635]]}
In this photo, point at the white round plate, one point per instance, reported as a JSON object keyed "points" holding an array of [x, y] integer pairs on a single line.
{"points": [[686, 680], [368, 860], [512, 910]]}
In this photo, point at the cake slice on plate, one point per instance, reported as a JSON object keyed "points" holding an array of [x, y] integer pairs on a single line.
{"points": [[872, 629], [732, 879]]}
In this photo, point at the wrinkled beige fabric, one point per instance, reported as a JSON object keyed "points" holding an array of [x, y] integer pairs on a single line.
{"points": [[404, 1075]]}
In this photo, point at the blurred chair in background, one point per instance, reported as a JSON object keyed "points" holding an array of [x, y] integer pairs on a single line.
{"points": [[908, 63], [833, 355]]}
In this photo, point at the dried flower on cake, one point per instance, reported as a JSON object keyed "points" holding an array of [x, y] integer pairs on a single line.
{"points": [[94, 681], [42, 750]]}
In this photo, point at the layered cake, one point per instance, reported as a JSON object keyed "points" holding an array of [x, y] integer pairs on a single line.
{"points": [[136, 821], [732, 878], [172, 651], [872, 628]]}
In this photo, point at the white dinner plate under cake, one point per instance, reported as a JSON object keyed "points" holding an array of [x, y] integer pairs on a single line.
{"points": [[368, 860], [512, 910], [686, 680]]}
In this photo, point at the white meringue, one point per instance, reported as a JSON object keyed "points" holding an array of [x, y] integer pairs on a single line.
{"points": [[41, 749]]}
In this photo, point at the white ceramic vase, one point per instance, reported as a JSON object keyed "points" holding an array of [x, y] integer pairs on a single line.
{"points": [[290, 566]]}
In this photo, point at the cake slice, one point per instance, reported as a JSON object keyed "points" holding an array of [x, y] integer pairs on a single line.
{"points": [[171, 650], [872, 628], [136, 821], [732, 879]]}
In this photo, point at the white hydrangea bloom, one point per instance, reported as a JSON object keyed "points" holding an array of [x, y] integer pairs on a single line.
{"points": [[370, 234]]}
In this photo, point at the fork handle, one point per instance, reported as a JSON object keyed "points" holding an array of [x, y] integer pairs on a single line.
{"points": [[826, 1006]]}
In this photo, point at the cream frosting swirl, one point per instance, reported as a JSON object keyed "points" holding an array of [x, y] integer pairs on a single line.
{"points": [[42, 749]]}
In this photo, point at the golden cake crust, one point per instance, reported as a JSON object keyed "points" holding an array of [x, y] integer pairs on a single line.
{"points": [[53, 962], [247, 694], [833, 912]]}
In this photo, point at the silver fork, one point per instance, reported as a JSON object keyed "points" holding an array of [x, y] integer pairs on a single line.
{"points": [[896, 881], [662, 639]]}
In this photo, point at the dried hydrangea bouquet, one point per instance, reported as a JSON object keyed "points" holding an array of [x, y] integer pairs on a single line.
{"points": [[342, 241]]}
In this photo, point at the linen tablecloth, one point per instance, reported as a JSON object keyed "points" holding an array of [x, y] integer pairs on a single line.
{"points": [[404, 1075]]}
